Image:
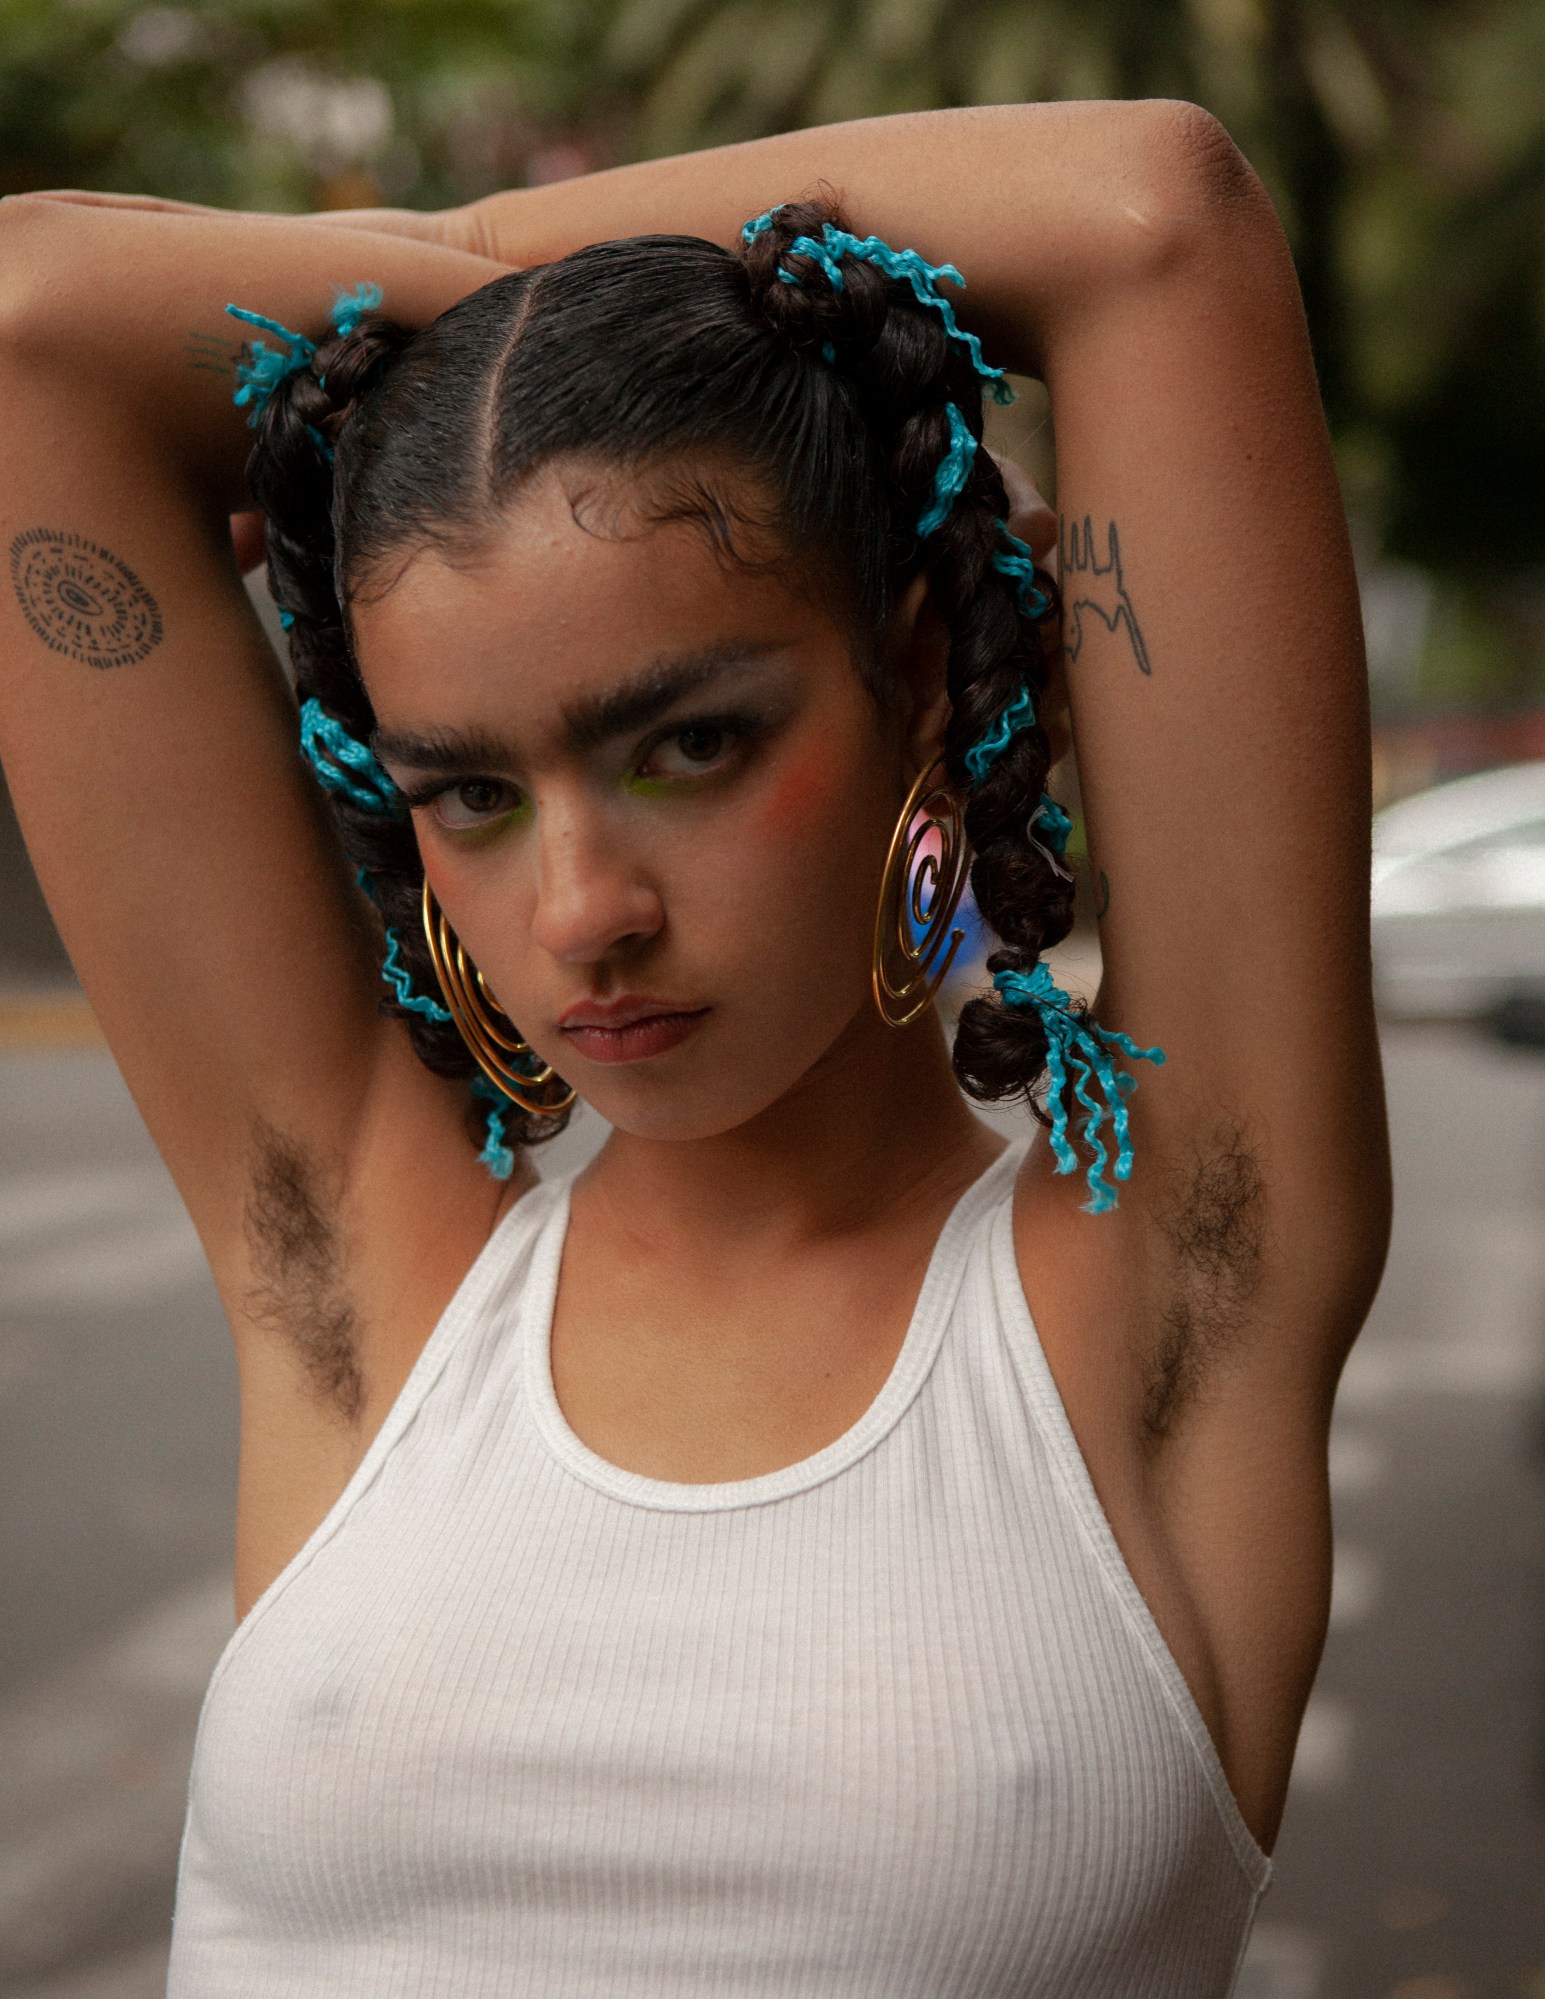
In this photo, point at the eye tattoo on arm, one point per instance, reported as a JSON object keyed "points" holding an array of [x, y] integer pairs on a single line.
{"points": [[1089, 585], [82, 601]]}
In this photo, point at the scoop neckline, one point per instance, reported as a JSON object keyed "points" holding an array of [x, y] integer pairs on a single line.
{"points": [[919, 1348]]}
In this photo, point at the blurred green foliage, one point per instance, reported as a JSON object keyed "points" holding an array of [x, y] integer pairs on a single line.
{"points": [[1402, 140]]}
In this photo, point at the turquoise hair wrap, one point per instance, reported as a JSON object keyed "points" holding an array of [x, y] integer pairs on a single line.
{"points": [[1076, 1050], [345, 765], [1019, 714], [350, 307], [258, 376], [954, 468], [1056, 822], [907, 265], [348, 767], [1018, 563], [396, 974], [495, 1155]]}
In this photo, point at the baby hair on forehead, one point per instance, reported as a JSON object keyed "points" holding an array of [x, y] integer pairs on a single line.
{"points": [[828, 374]]}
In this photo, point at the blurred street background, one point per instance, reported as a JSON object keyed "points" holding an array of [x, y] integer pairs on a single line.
{"points": [[1404, 144]]}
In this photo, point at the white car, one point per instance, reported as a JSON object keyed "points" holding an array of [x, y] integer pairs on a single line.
{"points": [[1459, 895]]}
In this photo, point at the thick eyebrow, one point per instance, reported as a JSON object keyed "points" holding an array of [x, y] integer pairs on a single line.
{"points": [[597, 718], [588, 722]]}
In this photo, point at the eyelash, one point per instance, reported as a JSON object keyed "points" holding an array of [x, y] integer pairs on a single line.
{"points": [[423, 795], [736, 728]]}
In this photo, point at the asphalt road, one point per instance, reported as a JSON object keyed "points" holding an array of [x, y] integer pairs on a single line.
{"points": [[1412, 1860]]}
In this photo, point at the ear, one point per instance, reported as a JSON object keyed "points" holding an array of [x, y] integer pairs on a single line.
{"points": [[920, 648]]}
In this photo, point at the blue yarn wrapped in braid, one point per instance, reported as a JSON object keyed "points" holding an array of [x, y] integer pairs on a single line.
{"points": [[344, 766], [1078, 1056]]}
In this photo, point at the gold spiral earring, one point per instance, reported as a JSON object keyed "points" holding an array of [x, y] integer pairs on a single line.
{"points": [[495, 1044], [914, 946]]}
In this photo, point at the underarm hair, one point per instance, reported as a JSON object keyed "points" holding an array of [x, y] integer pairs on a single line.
{"points": [[291, 1231], [1215, 1226]]}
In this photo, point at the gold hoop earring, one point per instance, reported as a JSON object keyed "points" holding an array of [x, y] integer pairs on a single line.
{"points": [[494, 1044], [914, 946]]}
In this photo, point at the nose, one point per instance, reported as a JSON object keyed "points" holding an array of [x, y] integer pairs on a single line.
{"points": [[592, 895]]}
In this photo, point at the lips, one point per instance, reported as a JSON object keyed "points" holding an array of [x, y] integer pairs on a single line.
{"points": [[629, 1028], [624, 1011]]}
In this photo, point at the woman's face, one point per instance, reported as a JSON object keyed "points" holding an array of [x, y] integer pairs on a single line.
{"points": [[653, 798]]}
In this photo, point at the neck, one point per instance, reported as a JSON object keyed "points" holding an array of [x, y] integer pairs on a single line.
{"points": [[878, 1123]]}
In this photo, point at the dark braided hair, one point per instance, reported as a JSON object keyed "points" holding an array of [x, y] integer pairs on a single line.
{"points": [[667, 357], [904, 370]]}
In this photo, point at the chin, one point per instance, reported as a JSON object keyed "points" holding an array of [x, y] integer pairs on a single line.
{"points": [[681, 1115]]}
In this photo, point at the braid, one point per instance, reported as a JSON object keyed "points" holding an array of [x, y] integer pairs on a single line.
{"points": [[877, 320], [920, 382], [305, 408]]}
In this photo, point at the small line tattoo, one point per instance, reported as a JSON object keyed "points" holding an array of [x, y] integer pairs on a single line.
{"points": [[211, 353], [1091, 585], [81, 600], [1102, 895]]}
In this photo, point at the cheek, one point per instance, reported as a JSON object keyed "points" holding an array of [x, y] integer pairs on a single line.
{"points": [[806, 795], [810, 861]]}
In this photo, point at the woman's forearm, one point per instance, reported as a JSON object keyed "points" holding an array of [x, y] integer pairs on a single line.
{"points": [[1038, 205], [132, 302], [1043, 207]]}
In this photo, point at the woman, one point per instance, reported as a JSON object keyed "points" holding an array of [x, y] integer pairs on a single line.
{"points": [[816, 1550]]}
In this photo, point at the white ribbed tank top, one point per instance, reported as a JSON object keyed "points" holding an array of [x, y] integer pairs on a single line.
{"points": [[893, 1721]]}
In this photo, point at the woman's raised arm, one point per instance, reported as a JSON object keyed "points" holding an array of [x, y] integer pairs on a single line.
{"points": [[146, 731]]}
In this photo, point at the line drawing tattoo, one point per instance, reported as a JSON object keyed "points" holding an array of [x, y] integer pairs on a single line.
{"points": [[1090, 585], [211, 352], [82, 601], [1101, 895]]}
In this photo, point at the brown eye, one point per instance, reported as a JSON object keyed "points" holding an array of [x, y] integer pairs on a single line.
{"points": [[474, 803], [689, 752], [700, 745]]}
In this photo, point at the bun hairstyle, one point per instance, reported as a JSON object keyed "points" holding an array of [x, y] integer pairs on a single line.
{"points": [[853, 403]]}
